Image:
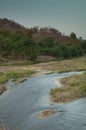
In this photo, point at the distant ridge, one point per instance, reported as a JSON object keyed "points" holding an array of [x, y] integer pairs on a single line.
{"points": [[10, 25], [37, 33]]}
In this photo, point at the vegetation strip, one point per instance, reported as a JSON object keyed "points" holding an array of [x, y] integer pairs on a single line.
{"points": [[74, 88], [15, 75]]}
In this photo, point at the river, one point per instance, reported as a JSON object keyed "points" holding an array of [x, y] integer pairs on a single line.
{"points": [[21, 105]]}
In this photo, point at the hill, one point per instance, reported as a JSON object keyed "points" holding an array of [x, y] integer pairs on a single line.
{"points": [[12, 26], [19, 42], [37, 33]]}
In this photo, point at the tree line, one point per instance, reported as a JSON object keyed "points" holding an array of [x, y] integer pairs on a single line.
{"points": [[19, 46]]}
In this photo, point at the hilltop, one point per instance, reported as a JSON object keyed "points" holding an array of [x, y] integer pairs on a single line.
{"points": [[37, 33], [12, 26]]}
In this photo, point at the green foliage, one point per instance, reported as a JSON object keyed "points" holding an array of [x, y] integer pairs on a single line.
{"points": [[66, 51], [20, 46], [47, 42], [17, 46], [73, 39], [83, 45]]}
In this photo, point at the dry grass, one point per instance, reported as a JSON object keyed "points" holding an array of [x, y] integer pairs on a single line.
{"points": [[68, 65], [74, 88], [46, 113], [76, 64]]}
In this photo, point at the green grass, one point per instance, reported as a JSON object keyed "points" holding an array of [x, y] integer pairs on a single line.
{"points": [[13, 75], [16, 63], [74, 88], [1, 73]]}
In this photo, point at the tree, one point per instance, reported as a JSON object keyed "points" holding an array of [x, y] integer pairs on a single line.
{"points": [[73, 39], [66, 51], [74, 52], [56, 51]]}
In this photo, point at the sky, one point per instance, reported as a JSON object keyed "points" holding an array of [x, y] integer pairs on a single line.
{"points": [[65, 15]]}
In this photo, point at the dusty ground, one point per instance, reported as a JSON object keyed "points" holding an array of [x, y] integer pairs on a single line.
{"points": [[39, 68], [56, 66]]}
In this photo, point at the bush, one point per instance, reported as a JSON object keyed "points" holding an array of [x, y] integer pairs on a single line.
{"points": [[66, 51]]}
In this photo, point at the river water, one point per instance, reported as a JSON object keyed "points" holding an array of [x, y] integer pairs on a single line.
{"points": [[21, 105]]}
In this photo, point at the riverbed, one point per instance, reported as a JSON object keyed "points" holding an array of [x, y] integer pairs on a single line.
{"points": [[22, 104]]}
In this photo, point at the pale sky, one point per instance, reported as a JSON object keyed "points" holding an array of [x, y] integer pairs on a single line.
{"points": [[65, 15]]}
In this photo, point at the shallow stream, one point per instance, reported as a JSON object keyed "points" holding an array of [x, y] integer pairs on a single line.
{"points": [[21, 105]]}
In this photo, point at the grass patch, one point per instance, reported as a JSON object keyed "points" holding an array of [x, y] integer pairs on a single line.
{"points": [[16, 63], [1, 73], [74, 88], [14, 75]]}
